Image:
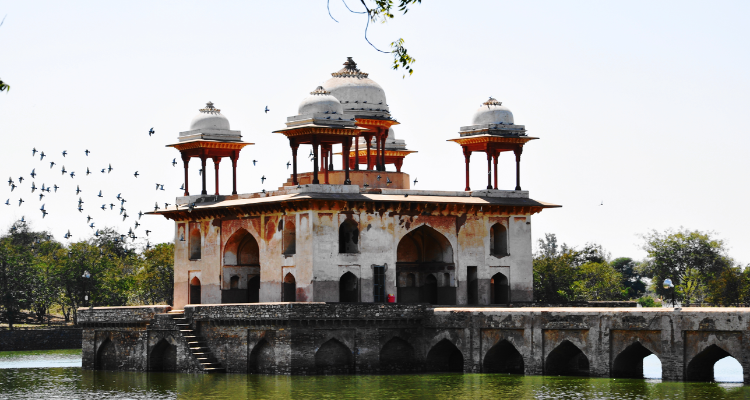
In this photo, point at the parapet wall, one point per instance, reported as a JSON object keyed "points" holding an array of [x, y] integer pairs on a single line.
{"points": [[40, 339]]}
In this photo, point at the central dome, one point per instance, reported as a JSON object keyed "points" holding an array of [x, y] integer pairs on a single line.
{"points": [[320, 101], [493, 112], [355, 90], [209, 118]]}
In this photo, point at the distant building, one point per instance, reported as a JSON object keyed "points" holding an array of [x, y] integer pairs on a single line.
{"points": [[360, 232]]}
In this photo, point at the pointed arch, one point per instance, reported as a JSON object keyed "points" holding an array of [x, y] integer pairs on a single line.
{"points": [[289, 292], [333, 357], [421, 253], [397, 356], [424, 244], [445, 357], [348, 288], [106, 356], [499, 240], [194, 242], [262, 358], [566, 359], [349, 236], [629, 363], [195, 291], [701, 367], [499, 289], [242, 249], [503, 357], [163, 357]]}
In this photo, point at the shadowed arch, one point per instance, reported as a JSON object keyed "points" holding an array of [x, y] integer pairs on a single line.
{"points": [[194, 242], [348, 288], [701, 367], [567, 359], [333, 357], [195, 290], [397, 356], [106, 356], [499, 289], [242, 249], [163, 357], [629, 363], [424, 244], [503, 358], [424, 253], [290, 288], [262, 359], [348, 236], [498, 240], [445, 357]]}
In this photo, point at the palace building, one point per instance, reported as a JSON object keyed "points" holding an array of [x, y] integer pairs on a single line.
{"points": [[353, 230]]}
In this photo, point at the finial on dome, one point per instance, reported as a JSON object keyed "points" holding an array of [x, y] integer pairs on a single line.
{"points": [[319, 91], [210, 109], [350, 70], [492, 102]]}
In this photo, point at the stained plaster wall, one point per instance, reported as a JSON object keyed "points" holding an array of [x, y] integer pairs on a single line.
{"points": [[209, 264]]}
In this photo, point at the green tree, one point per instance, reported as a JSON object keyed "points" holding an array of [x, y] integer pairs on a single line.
{"points": [[692, 286], [16, 272], [727, 287], [631, 278], [597, 281], [155, 275]]}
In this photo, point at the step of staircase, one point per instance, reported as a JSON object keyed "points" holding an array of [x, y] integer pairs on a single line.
{"points": [[196, 343]]}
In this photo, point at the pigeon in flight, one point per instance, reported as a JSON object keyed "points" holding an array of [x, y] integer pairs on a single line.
{"points": [[122, 210], [111, 206], [41, 196], [254, 162], [174, 162], [65, 153], [88, 219], [166, 205], [64, 171], [42, 156], [147, 232], [78, 190], [72, 175], [10, 181], [118, 196], [33, 187], [161, 187], [378, 177], [135, 174], [388, 180], [311, 154], [191, 206], [80, 209], [12, 186], [104, 207], [20, 180], [92, 225], [137, 224], [125, 216], [100, 194], [151, 132], [33, 152], [97, 235], [415, 181], [288, 163], [263, 179], [80, 201], [200, 172], [88, 172], [87, 152], [103, 169], [51, 164], [267, 110], [109, 169], [157, 186], [182, 187], [122, 201], [156, 206], [33, 173], [7, 202], [68, 235], [56, 187], [140, 214]]}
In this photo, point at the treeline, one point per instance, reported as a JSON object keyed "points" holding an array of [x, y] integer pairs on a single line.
{"points": [[38, 273], [697, 263]]}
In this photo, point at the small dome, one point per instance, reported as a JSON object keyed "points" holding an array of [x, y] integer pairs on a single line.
{"points": [[209, 118], [352, 86], [492, 112], [320, 101]]}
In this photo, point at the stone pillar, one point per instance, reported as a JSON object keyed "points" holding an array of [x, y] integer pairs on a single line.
{"points": [[496, 155], [315, 160], [518, 150], [356, 153], [377, 152], [294, 146], [467, 156], [368, 139], [327, 152], [489, 169], [346, 146], [234, 158], [185, 162], [217, 160], [330, 158], [382, 149], [203, 175]]}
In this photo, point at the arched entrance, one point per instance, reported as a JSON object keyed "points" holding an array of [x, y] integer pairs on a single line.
{"points": [[629, 363], [106, 356], [397, 356], [241, 260], [289, 292], [422, 253], [348, 288], [567, 359], [195, 290], [503, 358], [163, 357], [701, 367], [262, 359], [499, 289], [333, 357], [445, 357]]}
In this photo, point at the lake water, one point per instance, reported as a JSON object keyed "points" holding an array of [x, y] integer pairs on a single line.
{"points": [[58, 375]]}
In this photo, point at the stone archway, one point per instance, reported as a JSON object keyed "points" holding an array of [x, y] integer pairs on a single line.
{"points": [[195, 290], [106, 356], [701, 367], [397, 356], [422, 253], [241, 264], [445, 357], [333, 357], [348, 288], [163, 357], [566, 359], [262, 359], [499, 289], [629, 363], [289, 292], [503, 358]]}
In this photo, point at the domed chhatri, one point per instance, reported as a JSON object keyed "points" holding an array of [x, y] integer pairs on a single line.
{"points": [[493, 112], [395, 150], [358, 94], [320, 101], [209, 118]]}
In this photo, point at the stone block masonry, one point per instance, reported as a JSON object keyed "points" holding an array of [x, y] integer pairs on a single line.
{"points": [[40, 339], [364, 338]]}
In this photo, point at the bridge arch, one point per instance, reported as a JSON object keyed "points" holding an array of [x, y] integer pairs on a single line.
{"points": [[503, 357], [445, 357], [397, 356], [629, 363], [333, 357], [163, 356], [106, 356], [701, 367], [262, 358], [567, 359]]}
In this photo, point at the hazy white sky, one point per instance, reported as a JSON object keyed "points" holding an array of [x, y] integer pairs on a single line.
{"points": [[639, 104]]}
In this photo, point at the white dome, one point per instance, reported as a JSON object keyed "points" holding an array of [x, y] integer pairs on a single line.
{"points": [[209, 118], [320, 101], [355, 90], [493, 112]]}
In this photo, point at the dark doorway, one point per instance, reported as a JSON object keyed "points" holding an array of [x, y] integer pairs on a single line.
{"points": [[262, 359], [333, 357], [503, 358], [397, 356], [499, 289], [445, 357], [106, 356], [701, 367], [163, 357], [348, 236], [253, 289], [195, 290], [567, 359], [348, 288], [473, 285], [290, 288], [629, 363], [429, 290], [378, 286]]}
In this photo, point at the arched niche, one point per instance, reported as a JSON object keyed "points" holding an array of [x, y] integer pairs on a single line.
{"points": [[333, 357], [499, 289], [262, 358], [499, 240], [566, 359], [503, 357], [425, 254], [349, 236], [242, 249], [445, 357], [397, 356], [195, 291], [289, 291], [348, 288], [163, 357], [106, 356], [194, 242]]}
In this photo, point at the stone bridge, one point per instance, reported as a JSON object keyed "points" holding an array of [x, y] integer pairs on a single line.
{"points": [[321, 338]]}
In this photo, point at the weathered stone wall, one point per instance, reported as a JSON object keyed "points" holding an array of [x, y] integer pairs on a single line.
{"points": [[40, 339]]}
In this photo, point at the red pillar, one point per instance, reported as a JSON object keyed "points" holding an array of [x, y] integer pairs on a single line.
{"points": [[496, 156], [398, 163], [185, 162], [518, 150], [235, 155], [203, 175], [217, 160], [346, 146], [295, 146], [467, 156]]}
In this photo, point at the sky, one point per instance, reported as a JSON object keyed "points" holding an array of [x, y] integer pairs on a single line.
{"points": [[640, 106]]}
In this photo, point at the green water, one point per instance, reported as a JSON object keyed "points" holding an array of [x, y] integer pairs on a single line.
{"points": [[71, 382]]}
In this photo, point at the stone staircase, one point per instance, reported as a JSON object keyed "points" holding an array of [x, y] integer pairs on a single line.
{"points": [[196, 343]]}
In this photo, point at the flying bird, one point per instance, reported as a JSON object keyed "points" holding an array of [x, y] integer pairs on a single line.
{"points": [[20, 180], [135, 174], [267, 110], [88, 218], [118, 196], [92, 225], [111, 206], [88, 172], [19, 202], [78, 190], [65, 153], [7, 202], [104, 207], [157, 186], [10, 181], [110, 168], [200, 172], [151, 132], [182, 187], [42, 155], [125, 216], [51, 164], [72, 175], [56, 187], [137, 224], [12, 186], [103, 169], [156, 206], [97, 235], [41, 195], [87, 152], [288, 163], [174, 162], [263, 179], [254, 162], [378, 177], [166, 205], [33, 151], [100, 194], [140, 214], [147, 232], [64, 171], [80, 201], [33, 187], [415, 181], [33, 173], [161, 187]]}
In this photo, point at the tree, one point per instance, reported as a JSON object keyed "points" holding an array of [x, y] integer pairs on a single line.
{"points": [[672, 253], [631, 278], [692, 286], [728, 287], [16, 273], [597, 281], [382, 10], [155, 276]]}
